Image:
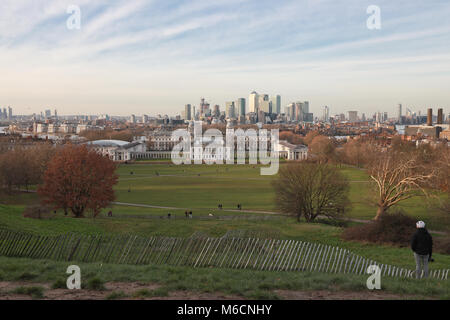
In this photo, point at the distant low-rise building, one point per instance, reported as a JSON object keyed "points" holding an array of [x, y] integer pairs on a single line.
{"points": [[290, 151], [118, 150]]}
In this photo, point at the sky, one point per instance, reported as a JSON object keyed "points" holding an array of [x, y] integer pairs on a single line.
{"points": [[154, 56]]}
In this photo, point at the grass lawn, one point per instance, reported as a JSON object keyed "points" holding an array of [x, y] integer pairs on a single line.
{"points": [[201, 189], [244, 283], [204, 187], [283, 227]]}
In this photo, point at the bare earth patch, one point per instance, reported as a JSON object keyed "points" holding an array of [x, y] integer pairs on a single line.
{"points": [[340, 295], [130, 288]]}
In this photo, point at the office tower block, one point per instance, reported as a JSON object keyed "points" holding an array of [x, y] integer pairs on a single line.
{"points": [[276, 104], [240, 107], [353, 116], [253, 102], [230, 110], [187, 112]]}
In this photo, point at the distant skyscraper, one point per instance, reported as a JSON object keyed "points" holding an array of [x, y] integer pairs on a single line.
{"points": [[378, 117], [290, 111], [305, 108], [276, 104], [299, 114], [399, 116], [240, 107], [353, 116], [10, 113], [133, 118], [326, 113], [187, 112], [230, 110], [5, 114], [204, 107], [265, 106], [253, 102], [216, 111]]}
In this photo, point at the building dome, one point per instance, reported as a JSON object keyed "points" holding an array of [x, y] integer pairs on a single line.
{"points": [[108, 143]]}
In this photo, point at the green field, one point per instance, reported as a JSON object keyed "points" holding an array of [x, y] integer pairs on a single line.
{"points": [[201, 189], [250, 284]]}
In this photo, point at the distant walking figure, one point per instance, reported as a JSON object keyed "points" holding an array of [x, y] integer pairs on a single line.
{"points": [[168, 215], [422, 246], [186, 214], [109, 213], [190, 214]]}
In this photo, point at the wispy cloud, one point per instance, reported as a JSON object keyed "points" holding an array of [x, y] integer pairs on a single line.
{"points": [[224, 48]]}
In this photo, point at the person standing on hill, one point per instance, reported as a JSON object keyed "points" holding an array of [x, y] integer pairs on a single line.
{"points": [[422, 246]]}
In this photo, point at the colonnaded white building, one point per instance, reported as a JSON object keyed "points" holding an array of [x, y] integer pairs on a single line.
{"points": [[159, 145]]}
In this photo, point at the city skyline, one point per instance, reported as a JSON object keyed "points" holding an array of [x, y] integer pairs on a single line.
{"points": [[154, 57]]}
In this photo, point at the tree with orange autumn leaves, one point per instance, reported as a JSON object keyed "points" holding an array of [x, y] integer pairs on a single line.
{"points": [[79, 179]]}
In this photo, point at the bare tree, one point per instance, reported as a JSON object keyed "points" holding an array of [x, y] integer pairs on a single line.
{"points": [[323, 148], [442, 181], [398, 176], [311, 189]]}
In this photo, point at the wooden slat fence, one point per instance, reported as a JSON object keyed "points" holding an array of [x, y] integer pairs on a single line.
{"points": [[200, 251]]}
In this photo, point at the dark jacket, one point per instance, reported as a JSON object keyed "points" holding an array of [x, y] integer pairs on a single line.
{"points": [[422, 242]]}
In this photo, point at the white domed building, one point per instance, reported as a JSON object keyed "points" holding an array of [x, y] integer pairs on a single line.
{"points": [[118, 150]]}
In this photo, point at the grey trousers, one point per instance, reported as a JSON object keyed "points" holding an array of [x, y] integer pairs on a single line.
{"points": [[421, 265]]}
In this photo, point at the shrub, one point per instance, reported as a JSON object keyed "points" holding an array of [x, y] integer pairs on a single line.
{"points": [[34, 292], [332, 222], [393, 228], [116, 295], [142, 293], [26, 276], [59, 284], [442, 245], [145, 293], [96, 284]]}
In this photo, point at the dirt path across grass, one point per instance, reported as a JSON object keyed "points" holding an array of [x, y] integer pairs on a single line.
{"points": [[244, 211], [139, 291]]}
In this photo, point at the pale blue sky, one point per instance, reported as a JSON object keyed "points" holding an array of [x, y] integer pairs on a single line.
{"points": [[143, 56]]}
